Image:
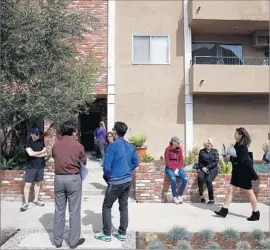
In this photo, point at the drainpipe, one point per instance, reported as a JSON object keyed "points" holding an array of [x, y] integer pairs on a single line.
{"points": [[111, 66], [188, 97]]}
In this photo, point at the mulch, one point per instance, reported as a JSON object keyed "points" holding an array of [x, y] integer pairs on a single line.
{"points": [[197, 243], [6, 235]]}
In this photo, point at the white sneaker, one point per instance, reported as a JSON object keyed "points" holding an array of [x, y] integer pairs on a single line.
{"points": [[180, 199], [175, 200]]}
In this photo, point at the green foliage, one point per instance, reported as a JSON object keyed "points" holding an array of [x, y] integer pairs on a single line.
{"points": [[224, 168], [265, 147], [138, 140], [147, 158], [183, 245], [6, 164], [213, 245], [42, 74], [206, 234], [192, 157], [243, 245], [230, 234], [265, 243], [178, 233], [257, 234], [156, 245]]}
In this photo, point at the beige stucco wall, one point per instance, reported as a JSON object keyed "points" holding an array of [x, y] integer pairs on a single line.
{"points": [[150, 98]]}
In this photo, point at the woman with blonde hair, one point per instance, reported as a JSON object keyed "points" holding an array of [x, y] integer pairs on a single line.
{"points": [[243, 174], [208, 169]]}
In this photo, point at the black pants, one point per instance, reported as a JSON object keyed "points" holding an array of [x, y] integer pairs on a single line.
{"points": [[208, 178], [114, 192]]}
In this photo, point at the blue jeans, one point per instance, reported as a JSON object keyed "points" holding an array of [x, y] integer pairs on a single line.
{"points": [[173, 179]]}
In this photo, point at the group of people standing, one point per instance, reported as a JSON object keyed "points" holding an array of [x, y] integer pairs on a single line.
{"points": [[242, 176], [120, 161]]}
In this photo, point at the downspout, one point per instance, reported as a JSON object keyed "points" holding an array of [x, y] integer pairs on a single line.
{"points": [[111, 65], [188, 97]]}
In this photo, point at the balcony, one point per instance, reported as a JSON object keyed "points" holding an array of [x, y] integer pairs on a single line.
{"points": [[229, 75], [228, 16]]}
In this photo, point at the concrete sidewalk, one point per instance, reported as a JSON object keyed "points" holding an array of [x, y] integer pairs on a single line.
{"points": [[36, 224]]}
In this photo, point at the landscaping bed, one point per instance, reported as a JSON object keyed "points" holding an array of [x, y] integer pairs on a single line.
{"points": [[6, 234], [180, 238]]}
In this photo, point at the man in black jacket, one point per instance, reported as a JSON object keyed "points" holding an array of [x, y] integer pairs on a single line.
{"points": [[208, 169]]}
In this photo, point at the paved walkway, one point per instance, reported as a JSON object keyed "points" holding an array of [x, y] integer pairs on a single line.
{"points": [[36, 224]]}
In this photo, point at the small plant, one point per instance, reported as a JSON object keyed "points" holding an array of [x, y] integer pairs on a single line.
{"points": [[183, 245], [146, 158], [213, 245], [178, 233], [265, 243], [257, 234], [138, 140], [265, 147], [150, 237], [192, 157], [243, 245], [224, 168], [230, 234], [206, 234], [156, 245]]}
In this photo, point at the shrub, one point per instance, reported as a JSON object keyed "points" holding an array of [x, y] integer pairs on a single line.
{"points": [[257, 234], [206, 234], [178, 233], [150, 237], [230, 234], [192, 157], [265, 243], [156, 245], [243, 245], [183, 245], [146, 158], [224, 168], [213, 245], [265, 147], [138, 140]]}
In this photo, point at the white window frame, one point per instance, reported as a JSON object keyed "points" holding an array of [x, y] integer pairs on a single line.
{"points": [[151, 35]]}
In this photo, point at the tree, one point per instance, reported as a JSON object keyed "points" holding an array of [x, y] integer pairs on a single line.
{"points": [[42, 74]]}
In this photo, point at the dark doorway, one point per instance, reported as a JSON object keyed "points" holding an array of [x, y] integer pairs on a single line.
{"points": [[88, 124]]}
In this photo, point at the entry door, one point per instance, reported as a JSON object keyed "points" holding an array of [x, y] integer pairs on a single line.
{"points": [[88, 124]]}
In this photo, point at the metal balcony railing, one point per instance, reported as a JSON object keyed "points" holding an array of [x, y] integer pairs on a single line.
{"points": [[230, 60]]}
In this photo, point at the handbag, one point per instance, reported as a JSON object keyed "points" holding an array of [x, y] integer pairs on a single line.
{"points": [[83, 171]]}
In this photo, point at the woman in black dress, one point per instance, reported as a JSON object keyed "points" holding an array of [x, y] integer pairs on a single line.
{"points": [[242, 174]]}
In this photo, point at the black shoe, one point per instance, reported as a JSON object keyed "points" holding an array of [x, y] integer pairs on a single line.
{"points": [[58, 246], [203, 200], [211, 202], [222, 212], [81, 241], [255, 216]]}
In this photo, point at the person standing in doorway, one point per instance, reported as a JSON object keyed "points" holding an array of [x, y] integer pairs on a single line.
{"points": [[35, 163], [174, 169], [242, 174], [120, 162], [100, 135], [68, 155]]}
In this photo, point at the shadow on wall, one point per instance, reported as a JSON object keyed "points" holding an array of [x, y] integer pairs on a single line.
{"points": [[180, 36], [181, 104], [231, 110]]}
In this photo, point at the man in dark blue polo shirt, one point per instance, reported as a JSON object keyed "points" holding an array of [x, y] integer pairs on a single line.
{"points": [[35, 163]]}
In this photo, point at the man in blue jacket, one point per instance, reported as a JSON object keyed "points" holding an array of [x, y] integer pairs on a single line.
{"points": [[120, 162]]}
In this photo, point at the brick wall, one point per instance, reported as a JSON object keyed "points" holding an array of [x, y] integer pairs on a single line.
{"points": [[152, 185], [12, 184]]}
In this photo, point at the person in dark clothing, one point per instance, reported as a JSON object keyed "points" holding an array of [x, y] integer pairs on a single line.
{"points": [[35, 163], [120, 162], [208, 169], [174, 169], [68, 156], [242, 174]]}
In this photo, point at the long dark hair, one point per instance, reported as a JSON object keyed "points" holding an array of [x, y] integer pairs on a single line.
{"points": [[245, 140], [109, 133]]}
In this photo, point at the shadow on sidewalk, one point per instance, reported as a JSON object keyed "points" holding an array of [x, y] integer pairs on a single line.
{"points": [[45, 221], [94, 219], [214, 207]]}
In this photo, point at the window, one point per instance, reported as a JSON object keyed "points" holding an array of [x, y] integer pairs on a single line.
{"points": [[217, 53], [150, 49]]}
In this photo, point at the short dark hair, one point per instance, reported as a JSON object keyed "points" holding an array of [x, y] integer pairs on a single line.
{"points": [[245, 140], [120, 128], [67, 128]]}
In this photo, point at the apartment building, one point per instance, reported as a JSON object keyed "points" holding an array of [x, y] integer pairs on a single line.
{"points": [[195, 69]]}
